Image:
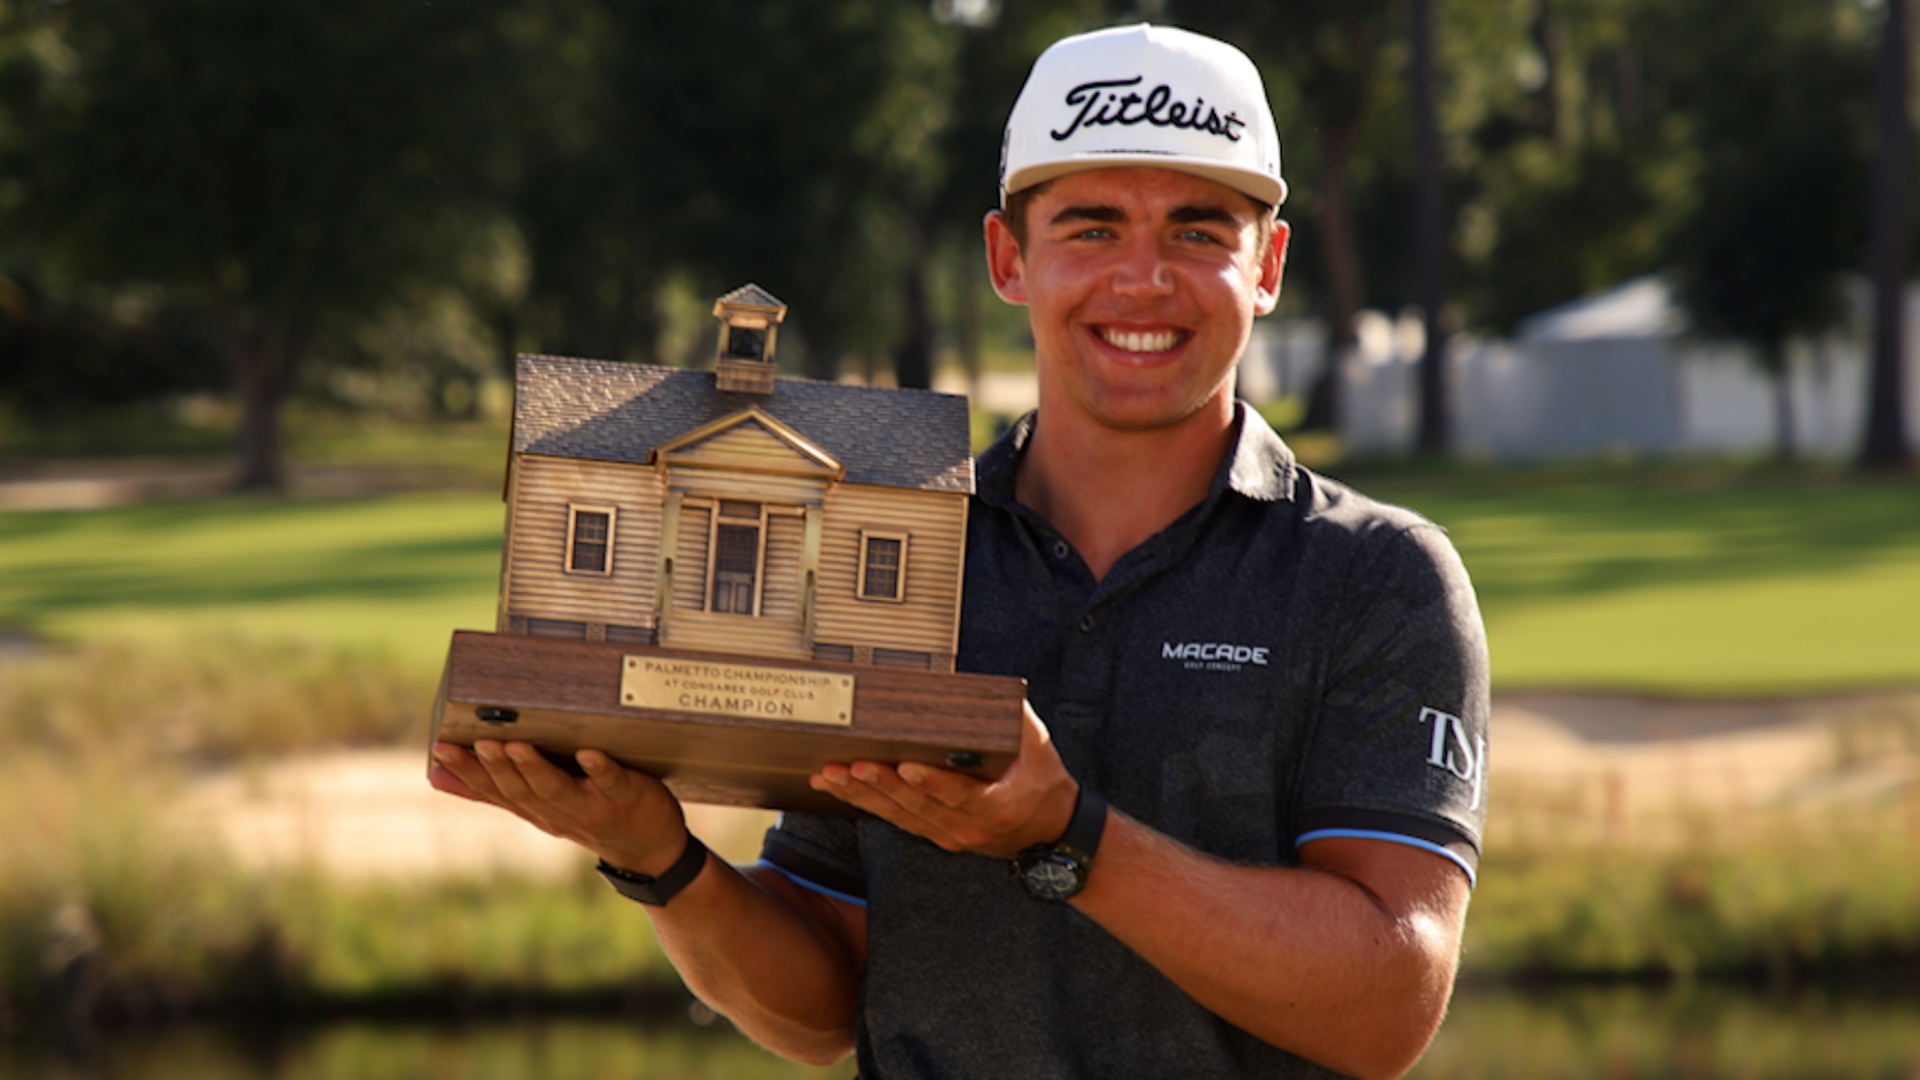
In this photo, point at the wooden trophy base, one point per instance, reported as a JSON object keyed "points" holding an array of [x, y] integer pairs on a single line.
{"points": [[722, 728]]}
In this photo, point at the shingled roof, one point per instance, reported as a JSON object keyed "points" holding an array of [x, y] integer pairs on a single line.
{"points": [[753, 295], [608, 411]]}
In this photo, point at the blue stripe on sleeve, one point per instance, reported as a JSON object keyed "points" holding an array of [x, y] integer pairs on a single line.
{"points": [[811, 886], [1395, 838]]}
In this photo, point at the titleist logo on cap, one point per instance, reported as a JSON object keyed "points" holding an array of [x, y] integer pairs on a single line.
{"points": [[1101, 104]]}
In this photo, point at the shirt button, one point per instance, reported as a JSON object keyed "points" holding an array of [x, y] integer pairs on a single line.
{"points": [[1086, 622], [1059, 549]]}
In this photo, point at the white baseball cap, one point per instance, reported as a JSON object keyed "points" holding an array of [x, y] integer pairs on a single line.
{"points": [[1144, 95]]}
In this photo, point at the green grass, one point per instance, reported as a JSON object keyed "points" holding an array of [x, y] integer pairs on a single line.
{"points": [[1704, 582], [394, 574], [1701, 582]]}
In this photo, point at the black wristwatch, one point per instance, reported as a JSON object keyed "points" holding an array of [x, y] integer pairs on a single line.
{"points": [[656, 891], [1058, 871]]}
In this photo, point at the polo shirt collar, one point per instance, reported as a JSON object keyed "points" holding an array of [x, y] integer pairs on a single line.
{"points": [[1260, 467]]}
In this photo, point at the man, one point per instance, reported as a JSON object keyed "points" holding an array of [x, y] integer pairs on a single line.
{"points": [[1241, 841]]}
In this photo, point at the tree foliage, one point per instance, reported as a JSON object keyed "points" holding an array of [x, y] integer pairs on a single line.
{"points": [[293, 187]]}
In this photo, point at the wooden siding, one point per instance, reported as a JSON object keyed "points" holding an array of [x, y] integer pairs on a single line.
{"points": [[758, 636], [780, 578], [746, 445], [936, 526], [751, 487], [535, 582], [690, 560]]}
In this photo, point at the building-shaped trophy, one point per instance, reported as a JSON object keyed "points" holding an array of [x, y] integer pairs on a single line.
{"points": [[729, 580]]}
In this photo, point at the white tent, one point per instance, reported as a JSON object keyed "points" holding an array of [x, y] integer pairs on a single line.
{"points": [[1616, 373]]}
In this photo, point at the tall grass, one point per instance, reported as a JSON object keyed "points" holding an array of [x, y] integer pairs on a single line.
{"points": [[1822, 881], [211, 698], [112, 905]]}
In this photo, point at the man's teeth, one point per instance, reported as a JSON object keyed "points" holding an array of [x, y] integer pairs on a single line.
{"points": [[1141, 341]]}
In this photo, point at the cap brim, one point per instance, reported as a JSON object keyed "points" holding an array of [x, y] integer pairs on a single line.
{"points": [[1255, 185]]}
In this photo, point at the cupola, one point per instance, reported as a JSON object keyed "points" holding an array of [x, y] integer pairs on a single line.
{"points": [[750, 320]]}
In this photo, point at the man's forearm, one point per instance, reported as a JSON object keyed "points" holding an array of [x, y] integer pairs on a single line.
{"points": [[777, 961], [1353, 976]]}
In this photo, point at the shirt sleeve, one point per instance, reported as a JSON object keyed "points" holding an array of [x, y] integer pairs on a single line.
{"points": [[818, 853], [1400, 749]]}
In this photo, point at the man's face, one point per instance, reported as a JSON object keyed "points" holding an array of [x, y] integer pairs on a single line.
{"points": [[1141, 285]]}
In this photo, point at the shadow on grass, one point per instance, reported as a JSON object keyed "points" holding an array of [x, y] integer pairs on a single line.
{"points": [[1535, 545], [194, 555]]}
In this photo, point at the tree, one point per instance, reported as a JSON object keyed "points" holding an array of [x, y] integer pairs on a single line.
{"points": [[1573, 178], [1429, 228], [993, 54], [1330, 52], [732, 141], [1885, 446], [1777, 213], [283, 167]]}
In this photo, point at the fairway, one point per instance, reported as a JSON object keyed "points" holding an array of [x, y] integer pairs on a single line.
{"points": [[1641, 583], [394, 573], [1753, 587]]}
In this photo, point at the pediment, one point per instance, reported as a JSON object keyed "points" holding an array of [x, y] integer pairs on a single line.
{"points": [[749, 441]]}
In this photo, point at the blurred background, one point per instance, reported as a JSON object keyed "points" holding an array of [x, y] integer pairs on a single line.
{"points": [[1618, 291]]}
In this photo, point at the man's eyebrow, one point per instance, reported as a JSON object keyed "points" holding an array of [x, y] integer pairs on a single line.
{"points": [[1192, 215], [1100, 215]]}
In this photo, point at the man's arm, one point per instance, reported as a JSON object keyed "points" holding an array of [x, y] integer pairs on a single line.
{"points": [[1347, 960], [783, 963]]}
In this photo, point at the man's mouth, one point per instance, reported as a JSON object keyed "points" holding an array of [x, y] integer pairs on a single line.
{"points": [[1140, 341]]}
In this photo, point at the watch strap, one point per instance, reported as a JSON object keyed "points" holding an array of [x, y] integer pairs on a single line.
{"points": [[1086, 827], [656, 891], [1058, 871]]}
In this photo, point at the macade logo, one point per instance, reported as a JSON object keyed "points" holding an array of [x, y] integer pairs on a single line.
{"points": [[1101, 104], [1214, 655], [1451, 750]]}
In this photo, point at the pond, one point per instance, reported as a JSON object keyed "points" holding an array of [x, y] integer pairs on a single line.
{"points": [[1492, 1035]]}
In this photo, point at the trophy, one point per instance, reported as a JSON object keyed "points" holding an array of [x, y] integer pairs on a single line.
{"points": [[728, 580]]}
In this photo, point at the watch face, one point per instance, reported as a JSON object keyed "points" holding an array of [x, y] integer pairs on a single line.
{"points": [[1051, 877]]}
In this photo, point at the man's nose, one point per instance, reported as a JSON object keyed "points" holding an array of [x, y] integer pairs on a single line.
{"points": [[1143, 269]]}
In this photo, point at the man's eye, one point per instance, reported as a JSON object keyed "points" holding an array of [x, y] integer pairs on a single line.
{"points": [[1199, 236]]}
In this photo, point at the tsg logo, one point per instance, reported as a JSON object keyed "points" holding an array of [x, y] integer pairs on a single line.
{"points": [[1451, 750]]}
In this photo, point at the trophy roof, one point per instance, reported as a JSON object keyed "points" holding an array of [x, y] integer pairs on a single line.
{"points": [[609, 411]]}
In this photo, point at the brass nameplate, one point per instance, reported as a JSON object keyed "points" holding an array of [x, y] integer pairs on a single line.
{"points": [[746, 691]]}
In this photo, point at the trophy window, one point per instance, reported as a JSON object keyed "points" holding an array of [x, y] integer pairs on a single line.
{"points": [[738, 531], [746, 343], [590, 539], [883, 566]]}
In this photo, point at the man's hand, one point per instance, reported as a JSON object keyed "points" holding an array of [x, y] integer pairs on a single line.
{"points": [[628, 818], [1030, 804]]}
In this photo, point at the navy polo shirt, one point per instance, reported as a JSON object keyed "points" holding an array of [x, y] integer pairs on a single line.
{"points": [[1288, 660]]}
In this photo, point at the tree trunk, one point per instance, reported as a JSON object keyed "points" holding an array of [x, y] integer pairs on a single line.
{"points": [[1429, 237], [1340, 246], [913, 357], [506, 330], [1545, 32], [1885, 446], [1340, 259], [1786, 437], [263, 365], [967, 321]]}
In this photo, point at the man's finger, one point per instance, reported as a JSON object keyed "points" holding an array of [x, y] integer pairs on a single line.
{"points": [[949, 788], [446, 780], [607, 776], [464, 768], [505, 774], [879, 791], [545, 779]]}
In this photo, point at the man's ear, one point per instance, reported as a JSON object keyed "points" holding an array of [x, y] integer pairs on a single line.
{"points": [[1273, 266], [1005, 264]]}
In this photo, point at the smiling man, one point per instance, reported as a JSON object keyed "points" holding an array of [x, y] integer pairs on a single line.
{"points": [[1242, 828]]}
